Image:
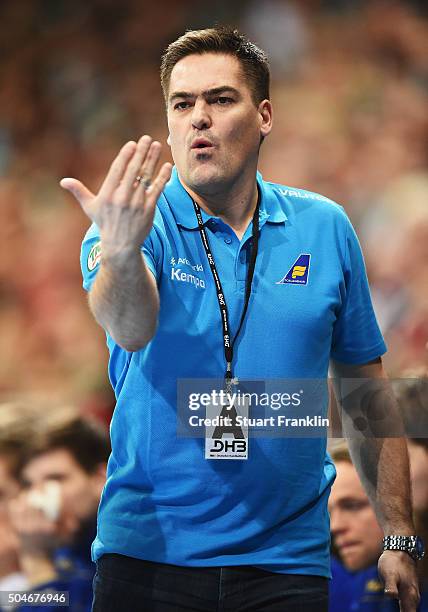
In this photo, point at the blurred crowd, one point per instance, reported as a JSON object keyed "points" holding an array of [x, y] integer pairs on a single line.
{"points": [[78, 79], [52, 471]]}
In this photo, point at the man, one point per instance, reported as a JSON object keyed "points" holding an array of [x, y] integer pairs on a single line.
{"points": [[63, 474], [223, 289], [418, 456], [411, 391], [15, 430], [357, 538], [412, 395], [356, 533]]}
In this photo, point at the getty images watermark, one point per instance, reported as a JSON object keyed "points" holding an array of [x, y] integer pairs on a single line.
{"points": [[302, 408]]}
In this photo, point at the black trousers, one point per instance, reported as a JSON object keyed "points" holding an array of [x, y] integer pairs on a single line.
{"points": [[122, 584]]}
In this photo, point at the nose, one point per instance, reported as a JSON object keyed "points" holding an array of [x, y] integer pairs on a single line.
{"points": [[337, 522], [201, 118]]}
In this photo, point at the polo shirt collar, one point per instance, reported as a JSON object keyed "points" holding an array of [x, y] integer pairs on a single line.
{"points": [[270, 209], [181, 203]]}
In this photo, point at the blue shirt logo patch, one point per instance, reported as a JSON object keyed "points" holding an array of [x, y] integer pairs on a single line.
{"points": [[299, 271]]}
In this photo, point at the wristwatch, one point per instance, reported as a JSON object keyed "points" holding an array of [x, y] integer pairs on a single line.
{"points": [[412, 545]]}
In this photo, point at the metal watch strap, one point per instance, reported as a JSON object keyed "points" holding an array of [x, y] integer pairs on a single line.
{"points": [[406, 544]]}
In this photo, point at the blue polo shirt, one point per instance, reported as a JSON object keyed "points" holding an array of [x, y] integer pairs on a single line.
{"points": [[163, 501]]}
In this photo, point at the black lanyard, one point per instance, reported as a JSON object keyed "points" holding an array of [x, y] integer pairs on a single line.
{"points": [[227, 341]]}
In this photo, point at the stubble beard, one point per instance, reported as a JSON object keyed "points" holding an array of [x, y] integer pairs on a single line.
{"points": [[206, 177]]}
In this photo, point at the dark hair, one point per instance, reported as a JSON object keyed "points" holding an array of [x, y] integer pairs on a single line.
{"points": [[220, 39], [87, 441], [339, 451], [17, 426]]}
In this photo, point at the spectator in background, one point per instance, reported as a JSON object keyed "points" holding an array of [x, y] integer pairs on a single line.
{"points": [[351, 86], [412, 395], [15, 428], [55, 516], [418, 455], [357, 540]]}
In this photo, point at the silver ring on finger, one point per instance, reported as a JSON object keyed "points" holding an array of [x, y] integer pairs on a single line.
{"points": [[144, 182]]}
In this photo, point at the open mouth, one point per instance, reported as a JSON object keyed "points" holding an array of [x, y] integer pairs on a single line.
{"points": [[201, 144]]}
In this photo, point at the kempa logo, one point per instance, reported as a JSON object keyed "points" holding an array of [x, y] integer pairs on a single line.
{"points": [[183, 261], [184, 277]]}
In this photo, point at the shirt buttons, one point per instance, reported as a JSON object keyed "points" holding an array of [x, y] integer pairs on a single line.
{"points": [[228, 240], [242, 257]]}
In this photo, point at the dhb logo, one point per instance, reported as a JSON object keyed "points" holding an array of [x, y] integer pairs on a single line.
{"points": [[224, 446]]}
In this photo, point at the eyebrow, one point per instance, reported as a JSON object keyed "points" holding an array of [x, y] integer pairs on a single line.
{"points": [[209, 93], [350, 498]]}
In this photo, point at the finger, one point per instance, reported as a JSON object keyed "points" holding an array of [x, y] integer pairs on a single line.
{"points": [[134, 166], [147, 198], [78, 190], [391, 588], [149, 166], [147, 171], [117, 169], [156, 188]]}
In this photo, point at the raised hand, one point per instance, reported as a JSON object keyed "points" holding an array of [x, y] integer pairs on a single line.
{"points": [[124, 207], [38, 533]]}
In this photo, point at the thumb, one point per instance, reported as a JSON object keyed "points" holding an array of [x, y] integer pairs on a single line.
{"points": [[78, 190]]}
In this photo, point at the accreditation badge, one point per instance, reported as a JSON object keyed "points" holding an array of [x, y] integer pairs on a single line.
{"points": [[226, 427]]}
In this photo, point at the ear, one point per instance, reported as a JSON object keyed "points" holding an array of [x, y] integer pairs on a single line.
{"points": [[266, 117], [168, 140]]}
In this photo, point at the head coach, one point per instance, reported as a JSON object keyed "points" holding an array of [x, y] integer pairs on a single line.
{"points": [[205, 270]]}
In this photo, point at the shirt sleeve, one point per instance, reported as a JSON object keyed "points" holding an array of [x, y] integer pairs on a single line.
{"points": [[356, 334], [91, 254]]}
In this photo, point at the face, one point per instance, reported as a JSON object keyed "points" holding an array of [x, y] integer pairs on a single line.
{"points": [[9, 488], [80, 491], [354, 527], [418, 457], [215, 128]]}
